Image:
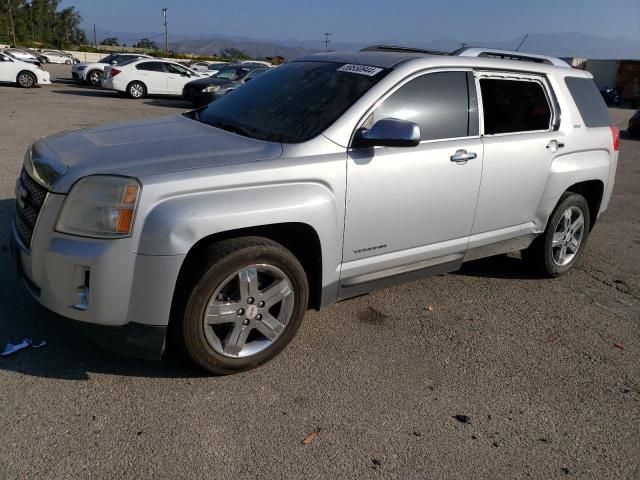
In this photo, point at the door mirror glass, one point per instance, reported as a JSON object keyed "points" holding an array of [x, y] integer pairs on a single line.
{"points": [[389, 132]]}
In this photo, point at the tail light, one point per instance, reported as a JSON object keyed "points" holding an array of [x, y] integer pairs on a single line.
{"points": [[114, 72], [615, 132]]}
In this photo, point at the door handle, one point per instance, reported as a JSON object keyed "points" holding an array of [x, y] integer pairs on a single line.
{"points": [[554, 145], [462, 156]]}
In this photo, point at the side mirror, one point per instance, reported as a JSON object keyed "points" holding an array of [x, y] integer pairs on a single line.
{"points": [[389, 132]]}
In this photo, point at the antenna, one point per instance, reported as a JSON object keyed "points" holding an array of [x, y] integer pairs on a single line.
{"points": [[327, 41], [522, 42]]}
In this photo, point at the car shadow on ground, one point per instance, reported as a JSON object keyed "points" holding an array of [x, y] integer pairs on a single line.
{"points": [[87, 92], [501, 266], [67, 355]]}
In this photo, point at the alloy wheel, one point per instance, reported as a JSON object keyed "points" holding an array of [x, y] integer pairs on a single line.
{"points": [[567, 236], [136, 90], [249, 311], [26, 80]]}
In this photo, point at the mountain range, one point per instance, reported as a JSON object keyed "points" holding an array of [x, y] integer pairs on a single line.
{"points": [[570, 44]]}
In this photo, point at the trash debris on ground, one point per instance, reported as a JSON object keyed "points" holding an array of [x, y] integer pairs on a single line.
{"points": [[462, 418], [619, 346], [11, 348], [309, 439]]}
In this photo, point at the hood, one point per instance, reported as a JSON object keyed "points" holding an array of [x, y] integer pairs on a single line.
{"points": [[148, 147], [207, 81]]}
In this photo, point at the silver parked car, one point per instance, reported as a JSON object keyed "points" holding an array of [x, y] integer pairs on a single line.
{"points": [[326, 178]]}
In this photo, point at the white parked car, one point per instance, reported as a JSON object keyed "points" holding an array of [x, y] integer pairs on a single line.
{"points": [[92, 72], [25, 74], [57, 56], [138, 78], [21, 55]]}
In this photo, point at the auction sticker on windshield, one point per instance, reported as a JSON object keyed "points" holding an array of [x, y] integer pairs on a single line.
{"points": [[360, 69]]}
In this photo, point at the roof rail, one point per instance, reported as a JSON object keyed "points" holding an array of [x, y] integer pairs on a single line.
{"points": [[395, 48], [510, 55]]}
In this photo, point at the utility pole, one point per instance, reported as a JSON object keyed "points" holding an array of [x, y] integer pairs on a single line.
{"points": [[95, 38], [326, 41], [13, 28], [463, 45], [33, 35], [166, 32]]}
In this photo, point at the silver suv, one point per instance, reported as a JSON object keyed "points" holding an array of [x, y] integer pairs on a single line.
{"points": [[323, 179]]}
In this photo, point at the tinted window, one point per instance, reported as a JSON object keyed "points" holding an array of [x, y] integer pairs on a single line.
{"points": [[172, 68], [292, 104], [590, 103], [150, 66], [514, 106], [437, 102]]}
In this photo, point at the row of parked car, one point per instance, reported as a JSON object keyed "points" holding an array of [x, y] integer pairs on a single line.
{"points": [[137, 75]]}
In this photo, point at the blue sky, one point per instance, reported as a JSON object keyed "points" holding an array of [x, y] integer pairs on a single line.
{"points": [[369, 20]]}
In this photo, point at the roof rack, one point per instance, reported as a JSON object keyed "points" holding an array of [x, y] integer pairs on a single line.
{"points": [[510, 55], [394, 48]]}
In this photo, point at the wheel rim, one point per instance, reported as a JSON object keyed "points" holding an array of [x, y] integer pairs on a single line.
{"points": [[567, 236], [95, 77], [249, 311], [26, 80], [136, 90]]}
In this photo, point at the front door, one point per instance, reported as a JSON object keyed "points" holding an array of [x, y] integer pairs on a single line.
{"points": [[177, 76], [414, 206], [152, 74]]}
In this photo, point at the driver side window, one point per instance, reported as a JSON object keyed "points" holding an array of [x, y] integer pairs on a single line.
{"points": [[437, 102]]}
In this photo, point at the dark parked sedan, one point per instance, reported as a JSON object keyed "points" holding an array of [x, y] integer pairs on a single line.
{"points": [[634, 125], [206, 90]]}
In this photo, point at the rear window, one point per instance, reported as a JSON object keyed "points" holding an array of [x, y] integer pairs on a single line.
{"points": [[514, 106], [590, 103]]}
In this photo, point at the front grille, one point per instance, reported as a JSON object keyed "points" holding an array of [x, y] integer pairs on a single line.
{"points": [[30, 197]]}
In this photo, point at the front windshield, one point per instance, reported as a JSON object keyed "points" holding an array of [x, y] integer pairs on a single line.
{"points": [[230, 73], [292, 103]]}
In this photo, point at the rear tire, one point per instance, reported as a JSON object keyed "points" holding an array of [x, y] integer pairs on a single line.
{"points": [[26, 79], [242, 306], [67, 62], [562, 244], [136, 90]]}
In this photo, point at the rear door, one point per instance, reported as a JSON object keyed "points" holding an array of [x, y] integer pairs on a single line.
{"points": [[521, 138], [153, 75]]}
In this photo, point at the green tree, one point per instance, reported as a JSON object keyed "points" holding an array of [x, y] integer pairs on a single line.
{"points": [[40, 22], [146, 44]]}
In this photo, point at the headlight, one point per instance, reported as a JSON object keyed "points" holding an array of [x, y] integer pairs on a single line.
{"points": [[100, 206], [211, 89]]}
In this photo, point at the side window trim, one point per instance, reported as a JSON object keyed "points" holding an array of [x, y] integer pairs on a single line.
{"points": [[404, 81], [552, 102]]}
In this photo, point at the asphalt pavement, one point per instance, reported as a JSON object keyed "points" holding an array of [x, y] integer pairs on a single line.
{"points": [[490, 372]]}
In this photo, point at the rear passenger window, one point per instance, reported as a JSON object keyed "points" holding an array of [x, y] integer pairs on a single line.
{"points": [[514, 106], [590, 103], [150, 66], [437, 102]]}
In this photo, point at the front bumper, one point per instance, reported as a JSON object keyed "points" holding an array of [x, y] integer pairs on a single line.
{"points": [[44, 78], [128, 296], [199, 97]]}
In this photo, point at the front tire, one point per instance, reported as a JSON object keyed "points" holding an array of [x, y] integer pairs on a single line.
{"points": [[246, 304], [136, 90], [26, 79], [94, 77], [562, 245]]}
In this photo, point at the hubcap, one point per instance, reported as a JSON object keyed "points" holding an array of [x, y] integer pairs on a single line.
{"points": [[567, 236], [95, 78], [136, 91], [249, 311]]}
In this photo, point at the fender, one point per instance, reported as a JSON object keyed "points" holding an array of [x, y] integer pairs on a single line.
{"points": [[567, 170], [177, 223]]}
